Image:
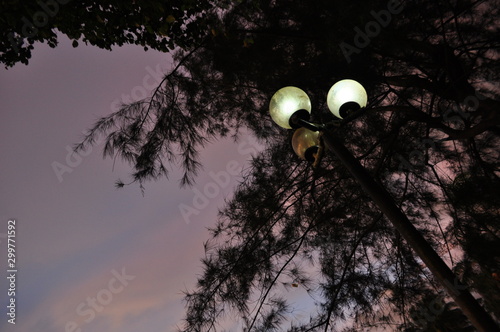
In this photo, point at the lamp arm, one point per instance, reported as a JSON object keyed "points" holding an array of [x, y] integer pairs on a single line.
{"points": [[300, 122]]}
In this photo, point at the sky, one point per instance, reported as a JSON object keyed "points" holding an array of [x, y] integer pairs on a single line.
{"points": [[90, 257]]}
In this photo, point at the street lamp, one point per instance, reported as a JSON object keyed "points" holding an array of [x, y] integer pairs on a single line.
{"points": [[287, 104], [290, 107], [346, 96], [306, 143]]}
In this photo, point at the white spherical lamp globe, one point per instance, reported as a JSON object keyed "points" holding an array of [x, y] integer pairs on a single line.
{"points": [[346, 96], [287, 102]]}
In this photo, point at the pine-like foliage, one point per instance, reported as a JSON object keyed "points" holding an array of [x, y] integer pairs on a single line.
{"points": [[430, 135]]}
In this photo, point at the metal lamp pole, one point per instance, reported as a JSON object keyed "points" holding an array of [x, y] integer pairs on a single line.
{"points": [[459, 292], [290, 108]]}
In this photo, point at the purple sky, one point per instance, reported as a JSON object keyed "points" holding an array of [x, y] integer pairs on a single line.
{"points": [[75, 231]]}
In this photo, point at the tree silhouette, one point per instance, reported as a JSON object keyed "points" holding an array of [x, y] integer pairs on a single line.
{"points": [[433, 313], [152, 24], [430, 135]]}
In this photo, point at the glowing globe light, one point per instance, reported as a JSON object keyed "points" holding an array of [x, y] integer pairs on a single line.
{"points": [[289, 101], [305, 143], [346, 96]]}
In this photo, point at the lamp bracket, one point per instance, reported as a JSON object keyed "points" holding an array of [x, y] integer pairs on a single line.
{"points": [[300, 122]]}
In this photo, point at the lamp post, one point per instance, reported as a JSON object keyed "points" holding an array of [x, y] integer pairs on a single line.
{"points": [[290, 108]]}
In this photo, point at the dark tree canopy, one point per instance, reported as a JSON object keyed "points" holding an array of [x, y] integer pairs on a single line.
{"points": [[153, 24], [430, 135]]}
